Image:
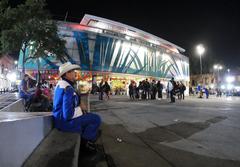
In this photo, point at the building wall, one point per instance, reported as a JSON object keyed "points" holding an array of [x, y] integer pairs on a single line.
{"points": [[96, 52], [101, 52], [205, 79]]}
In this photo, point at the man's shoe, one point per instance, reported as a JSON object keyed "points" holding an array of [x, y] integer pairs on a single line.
{"points": [[88, 148], [99, 134]]}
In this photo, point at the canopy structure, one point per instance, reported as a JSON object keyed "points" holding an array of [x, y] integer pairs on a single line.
{"points": [[44, 63], [128, 31]]}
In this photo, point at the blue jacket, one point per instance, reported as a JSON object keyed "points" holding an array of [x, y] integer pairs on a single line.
{"points": [[66, 107]]}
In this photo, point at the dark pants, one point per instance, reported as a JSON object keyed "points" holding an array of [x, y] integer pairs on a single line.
{"points": [[147, 94], [182, 95], [101, 95], [90, 124], [87, 124], [160, 94], [172, 96]]}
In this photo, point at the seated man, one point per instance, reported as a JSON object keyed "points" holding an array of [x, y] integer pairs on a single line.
{"points": [[67, 113]]}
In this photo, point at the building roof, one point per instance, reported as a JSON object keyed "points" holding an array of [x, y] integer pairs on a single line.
{"points": [[128, 31]]}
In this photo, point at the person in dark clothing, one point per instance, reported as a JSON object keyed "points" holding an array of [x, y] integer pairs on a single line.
{"points": [[159, 89], [153, 90], [101, 90], [182, 90], [147, 88], [106, 89], [171, 88]]}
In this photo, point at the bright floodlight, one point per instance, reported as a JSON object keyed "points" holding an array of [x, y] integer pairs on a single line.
{"points": [[12, 77], [212, 86], [230, 86], [230, 79], [217, 67], [15, 62], [200, 49]]}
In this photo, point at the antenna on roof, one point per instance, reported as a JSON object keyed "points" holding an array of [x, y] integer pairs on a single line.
{"points": [[65, 19]]}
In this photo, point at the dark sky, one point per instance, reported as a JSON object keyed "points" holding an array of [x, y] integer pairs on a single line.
{"points": [[215, 24]]}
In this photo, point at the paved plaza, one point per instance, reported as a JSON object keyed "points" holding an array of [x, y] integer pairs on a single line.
{"points": [[192, 132], [7, 99]]}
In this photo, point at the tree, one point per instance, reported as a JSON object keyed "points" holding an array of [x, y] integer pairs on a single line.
{"points": [[29, 25]]}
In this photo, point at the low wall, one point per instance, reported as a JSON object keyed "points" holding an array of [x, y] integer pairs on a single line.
{"points": [[19, 137], [14, 107]]}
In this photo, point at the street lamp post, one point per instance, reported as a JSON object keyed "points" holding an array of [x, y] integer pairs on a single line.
{"points": [[218, 68], [200, 50]]}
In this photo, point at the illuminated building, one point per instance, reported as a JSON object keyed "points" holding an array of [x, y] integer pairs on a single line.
{"points": [[118, 53]]}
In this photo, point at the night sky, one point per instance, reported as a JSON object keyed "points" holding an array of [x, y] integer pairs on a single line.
{"points": [[215, 24]]}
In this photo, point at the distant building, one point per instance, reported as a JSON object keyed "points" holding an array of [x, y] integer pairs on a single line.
{"points": [[204, 79], [116, 52], [6, 66]]}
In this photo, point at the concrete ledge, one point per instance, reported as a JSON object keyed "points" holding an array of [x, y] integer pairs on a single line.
{"points": [[57, 149], [21, 133]]}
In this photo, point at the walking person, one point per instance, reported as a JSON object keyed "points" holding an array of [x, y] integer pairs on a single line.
{"points": [[182, 90], [68, 115]]}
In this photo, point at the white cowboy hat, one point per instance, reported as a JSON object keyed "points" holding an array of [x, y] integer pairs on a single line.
{"points": [[67, 67]]}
